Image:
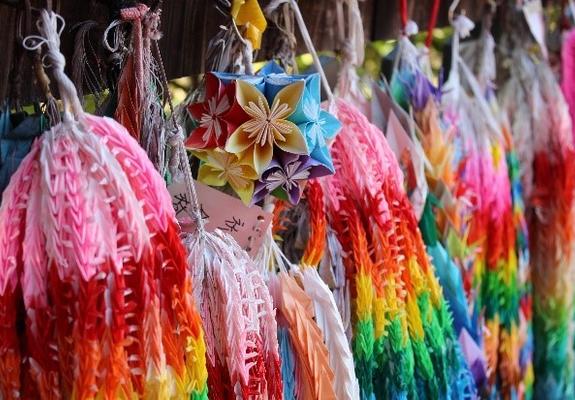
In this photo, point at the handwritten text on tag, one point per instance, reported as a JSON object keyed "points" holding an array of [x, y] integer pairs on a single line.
{"points": [[247, 225]]}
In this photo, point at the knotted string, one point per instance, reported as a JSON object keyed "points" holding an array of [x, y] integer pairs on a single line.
{"points": [[408, 27], [353, 49], [310, 47], [176, 138], [176, 142], [135, 16], [285, 42], [50, 37], [308, 42], [462, 27], [351, 39]]}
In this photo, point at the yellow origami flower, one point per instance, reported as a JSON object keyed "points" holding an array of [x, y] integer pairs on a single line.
{"points": [[219, 168], [248, 13], [267, 126]]}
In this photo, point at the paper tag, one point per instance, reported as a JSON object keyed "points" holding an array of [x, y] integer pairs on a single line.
{"points": [[533, 11], [247, 225]]}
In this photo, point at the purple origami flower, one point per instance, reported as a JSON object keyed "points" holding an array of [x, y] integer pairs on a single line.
{"points": [[287, 175]]}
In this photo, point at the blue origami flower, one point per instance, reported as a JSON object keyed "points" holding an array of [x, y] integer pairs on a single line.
{"points": [[317, 125], [227, 78]]}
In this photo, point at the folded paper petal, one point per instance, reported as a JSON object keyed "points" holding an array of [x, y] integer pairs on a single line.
{"points": [[286, 177], [290, 95], [271, 67], [309, 108], [210, 175], [239, 141], [330, 125], [317, 125], [219, 168], [213, 128], [267, 125], [247, 93], [248, 13], [323, 156], [262, 156], [293, 140], [276, 82], [228, 78]]}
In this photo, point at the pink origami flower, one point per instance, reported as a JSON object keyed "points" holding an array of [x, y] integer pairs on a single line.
{"points": [[214, 128]]}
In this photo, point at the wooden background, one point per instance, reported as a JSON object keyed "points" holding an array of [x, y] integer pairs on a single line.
{"points": [[188, 25]]}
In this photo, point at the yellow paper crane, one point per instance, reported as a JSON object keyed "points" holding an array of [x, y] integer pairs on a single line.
{"points": [[249, 14]]}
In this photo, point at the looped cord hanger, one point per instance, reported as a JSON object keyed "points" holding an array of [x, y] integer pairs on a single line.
{"points": [[117, 42], [35, 42], [408, 26], [247, 50], [451, 12], [51, 26]]}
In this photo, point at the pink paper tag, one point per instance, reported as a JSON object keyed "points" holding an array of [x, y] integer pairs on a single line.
{"points": [[247, 225]]}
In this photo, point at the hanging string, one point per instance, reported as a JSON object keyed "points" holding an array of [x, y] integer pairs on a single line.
{"points": [[50, 36], [247, 50], [350, 29], [117, 36], [307, 40], [176, 142], [310, 47], [451, 12], [284, 44], [308, 43], [403, 14], [432, 22]]}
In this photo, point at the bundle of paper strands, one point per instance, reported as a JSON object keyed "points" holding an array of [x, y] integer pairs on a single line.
{"points": [[542, 133], [95, 296], [403, 340]]}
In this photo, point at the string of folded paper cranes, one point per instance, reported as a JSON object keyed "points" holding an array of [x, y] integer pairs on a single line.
{"points": [[420, 244]]}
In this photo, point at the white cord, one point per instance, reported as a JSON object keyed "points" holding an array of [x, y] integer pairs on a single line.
{"points": [[50, 36]]}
